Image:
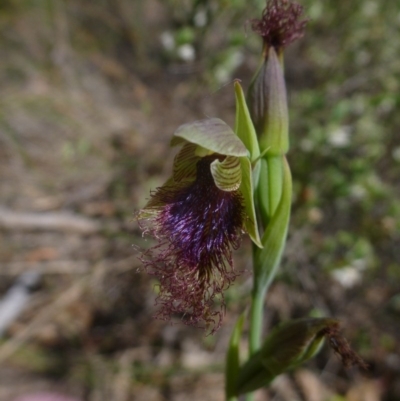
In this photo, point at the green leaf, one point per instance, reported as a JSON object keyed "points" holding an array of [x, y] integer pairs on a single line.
{"points": [[274, 238], [244, 127], [227, 174], [246, 189], [288, 345], [233, 360], [212, 134]]}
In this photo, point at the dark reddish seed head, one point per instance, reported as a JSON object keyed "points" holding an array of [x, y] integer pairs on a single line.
{"points": [[342, 348], [280, 23]]}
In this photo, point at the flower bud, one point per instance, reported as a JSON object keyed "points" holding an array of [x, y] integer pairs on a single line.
{"points": [[268, 106], [288, 345], [279, 26]]}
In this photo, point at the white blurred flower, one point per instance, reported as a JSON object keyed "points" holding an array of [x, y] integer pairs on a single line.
{"points": [[349, 276], [167, 40], [363, 57], [315, 215], [358, 192], [340, 137], [186, 52], [200, 19], [306, 145], [396, 154], [370, 8], [224, 71]]}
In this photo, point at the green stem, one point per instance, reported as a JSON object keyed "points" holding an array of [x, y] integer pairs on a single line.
{"points": [[256, 318], [266, 261], [275, 182]]}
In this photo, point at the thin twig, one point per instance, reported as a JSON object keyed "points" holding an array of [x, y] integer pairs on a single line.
{"points": [[61, 221]]}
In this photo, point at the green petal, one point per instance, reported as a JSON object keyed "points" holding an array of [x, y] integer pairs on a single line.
{"points": [[244, 127], [232, 364], [227, 174], [246, 189], [185, 163], [154, 205], [212, 134]]}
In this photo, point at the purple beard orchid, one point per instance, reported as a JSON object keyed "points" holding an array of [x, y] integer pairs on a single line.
{"points": [[197, 218]]}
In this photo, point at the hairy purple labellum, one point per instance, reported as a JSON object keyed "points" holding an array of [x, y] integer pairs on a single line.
{"points": [[197, 226], [280, 24]]}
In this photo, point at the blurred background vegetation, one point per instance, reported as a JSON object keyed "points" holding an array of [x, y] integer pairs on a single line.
{"points": [[91, 93]]}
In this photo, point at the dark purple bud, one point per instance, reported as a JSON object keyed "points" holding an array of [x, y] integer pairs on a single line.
{"points": [[280, 24]]}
